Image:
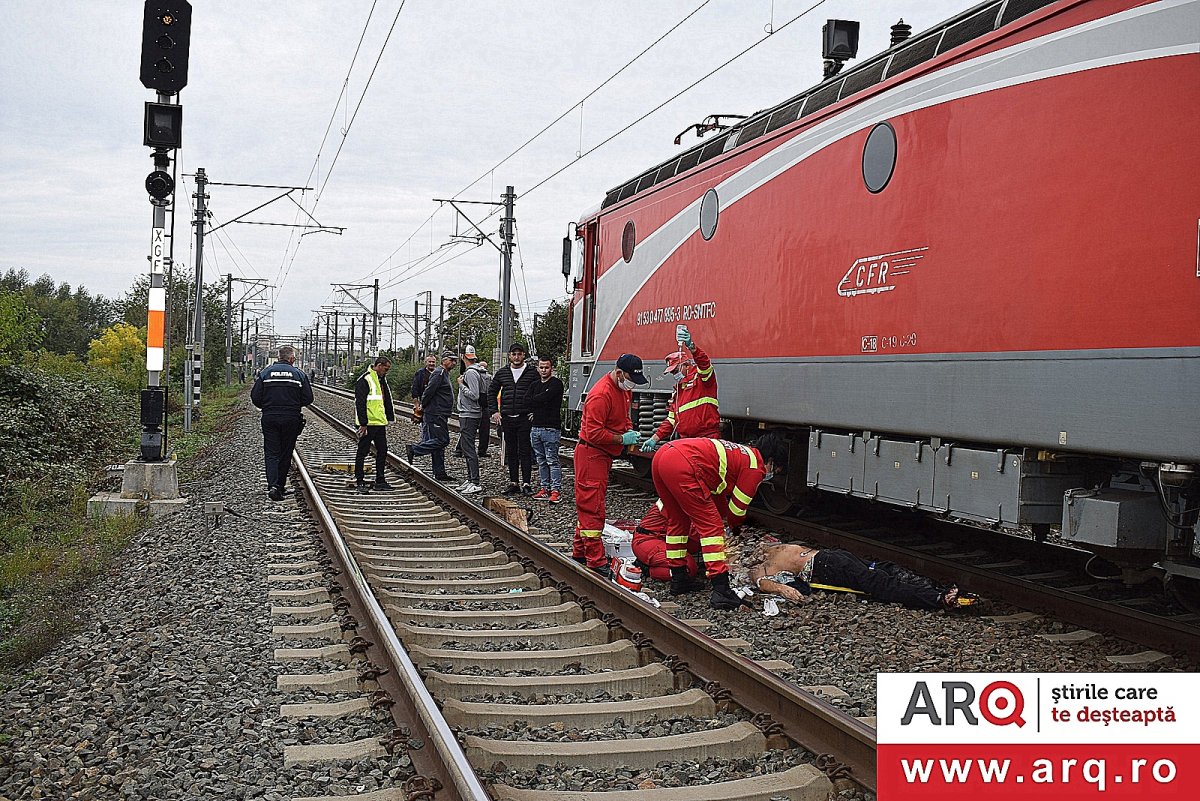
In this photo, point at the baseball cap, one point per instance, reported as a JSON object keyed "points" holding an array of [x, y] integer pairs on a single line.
{"points": [[517, 346], [633, 365], [469, 350], [449, 354], [469, 356]]}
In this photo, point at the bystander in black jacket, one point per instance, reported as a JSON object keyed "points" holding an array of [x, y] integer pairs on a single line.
{"points": [[438, 398], [545, 402], [420, 381], [509, 396]]}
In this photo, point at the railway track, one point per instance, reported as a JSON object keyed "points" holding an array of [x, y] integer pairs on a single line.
{"points": [[1042, 577], [467, 608]]}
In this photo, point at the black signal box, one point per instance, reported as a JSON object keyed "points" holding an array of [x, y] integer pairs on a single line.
{"points": [[164, 126]]}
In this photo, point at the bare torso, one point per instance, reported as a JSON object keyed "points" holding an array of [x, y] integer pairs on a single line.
{"points": [[781, 559]]}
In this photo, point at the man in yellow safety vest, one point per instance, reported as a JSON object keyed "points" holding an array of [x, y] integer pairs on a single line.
{"points": [[372, 413]]}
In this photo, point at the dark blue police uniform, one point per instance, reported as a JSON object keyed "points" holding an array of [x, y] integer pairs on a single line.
{"points": [[281, 391]]}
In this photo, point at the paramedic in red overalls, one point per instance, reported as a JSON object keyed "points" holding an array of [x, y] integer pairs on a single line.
{"points": [[702, 484], [605, 430], [692, 411], [650, 548]]}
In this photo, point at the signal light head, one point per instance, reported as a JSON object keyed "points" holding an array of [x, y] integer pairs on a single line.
{"points": [[159, 184], [166, 30]]}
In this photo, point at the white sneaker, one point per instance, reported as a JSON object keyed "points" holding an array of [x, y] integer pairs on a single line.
{"points": [[471, 489]]}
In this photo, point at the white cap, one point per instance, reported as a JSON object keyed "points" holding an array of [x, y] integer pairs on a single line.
{"points": [[470, 350]]}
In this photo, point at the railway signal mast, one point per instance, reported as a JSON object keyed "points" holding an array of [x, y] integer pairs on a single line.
{"points": [[166, 30], [150, 482]]}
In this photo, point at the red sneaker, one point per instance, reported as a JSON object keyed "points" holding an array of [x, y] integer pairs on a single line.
{"points": [[555, 497], [541, 495]]}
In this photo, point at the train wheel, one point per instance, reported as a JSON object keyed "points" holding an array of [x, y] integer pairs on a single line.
{"points": [[775, 498], [1185, 590], [641, 467]]}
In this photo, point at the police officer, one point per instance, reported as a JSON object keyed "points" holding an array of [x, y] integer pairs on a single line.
{"points": [[281, 391]]}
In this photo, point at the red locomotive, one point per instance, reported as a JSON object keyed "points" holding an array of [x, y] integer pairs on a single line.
{"points": [[963, 276]]}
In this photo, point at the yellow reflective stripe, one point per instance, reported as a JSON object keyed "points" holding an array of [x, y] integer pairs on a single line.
{"points": [[705, 373], [753, 462], [697, 402], [589, 533], [835, 588], [719, 539], [741, 496], [719, 556], [736, 510], [658, 503], [676, 554], [722, 464], [676, 540], [671, 416]]}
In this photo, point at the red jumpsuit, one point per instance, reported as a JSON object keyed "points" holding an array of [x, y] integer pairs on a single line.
{"points": [[693, 411], [701, 482], [650, 545], [605, 419]]}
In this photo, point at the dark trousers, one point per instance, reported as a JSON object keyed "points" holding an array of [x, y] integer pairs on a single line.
{"points": [[279, 439], [468, 430], [885, 582], [518, 451], [377, 436], [485, 435], [437, 437]]}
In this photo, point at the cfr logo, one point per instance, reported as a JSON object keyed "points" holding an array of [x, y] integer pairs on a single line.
{"points": [[1001, 704], [872, 275]]}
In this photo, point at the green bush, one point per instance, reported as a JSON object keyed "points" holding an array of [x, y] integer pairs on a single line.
{"points": [[57, 432]]}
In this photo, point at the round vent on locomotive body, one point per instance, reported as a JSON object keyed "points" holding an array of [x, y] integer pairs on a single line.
{"points": [[879, 157], [628, 240], [710, 210]]}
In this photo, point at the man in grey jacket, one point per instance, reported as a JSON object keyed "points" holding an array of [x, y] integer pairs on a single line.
{"points": [[472, 387]]}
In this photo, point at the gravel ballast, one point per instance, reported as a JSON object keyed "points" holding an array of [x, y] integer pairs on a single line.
{"points": [[168, 690]]}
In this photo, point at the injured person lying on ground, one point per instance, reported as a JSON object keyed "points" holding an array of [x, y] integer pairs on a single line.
{"points": [[794, 571]]}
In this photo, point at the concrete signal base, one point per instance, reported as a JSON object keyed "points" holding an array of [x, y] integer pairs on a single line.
{"points": [[149, 488]]}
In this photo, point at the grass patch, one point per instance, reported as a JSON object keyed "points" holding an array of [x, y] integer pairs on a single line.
{"points": [[49, 553]]}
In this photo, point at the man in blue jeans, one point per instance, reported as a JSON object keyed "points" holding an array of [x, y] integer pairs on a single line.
{"points": [[545, 402]]}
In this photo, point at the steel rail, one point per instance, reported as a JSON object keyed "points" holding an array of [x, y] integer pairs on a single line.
{"points": [[457, 769], [779, 707], [1140, 627]]}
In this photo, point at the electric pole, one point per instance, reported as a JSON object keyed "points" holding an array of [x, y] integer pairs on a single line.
{"points": [[506, 237], [375, 322], [195, 347]]}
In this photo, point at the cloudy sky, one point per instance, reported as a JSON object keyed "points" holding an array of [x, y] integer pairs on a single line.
{"points": [[457, 88]]}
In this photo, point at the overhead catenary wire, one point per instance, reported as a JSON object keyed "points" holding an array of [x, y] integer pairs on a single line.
{"points": [[577, 104], [345, 132], [678, 94], [585, 98]]}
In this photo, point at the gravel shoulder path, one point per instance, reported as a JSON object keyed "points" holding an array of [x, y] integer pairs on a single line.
{"points": [[168, 690]]}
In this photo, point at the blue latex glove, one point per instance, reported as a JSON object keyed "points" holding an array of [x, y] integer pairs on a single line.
{"points": [[629, 438], [684, 336], [650, 445]]}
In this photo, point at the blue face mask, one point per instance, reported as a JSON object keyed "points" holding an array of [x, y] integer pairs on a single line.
{"points": [[769, 475]]}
